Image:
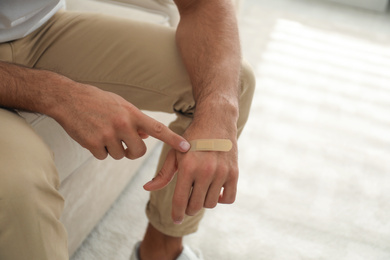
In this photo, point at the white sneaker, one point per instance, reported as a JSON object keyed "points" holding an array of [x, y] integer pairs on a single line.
{"points": [[186, 254]]}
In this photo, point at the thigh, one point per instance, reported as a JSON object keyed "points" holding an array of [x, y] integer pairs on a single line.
{"points": [[21, 152], [136, 60], [30, 204]]}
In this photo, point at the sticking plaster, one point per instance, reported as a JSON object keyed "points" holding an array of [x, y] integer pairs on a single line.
{"points": [[220, 145]]}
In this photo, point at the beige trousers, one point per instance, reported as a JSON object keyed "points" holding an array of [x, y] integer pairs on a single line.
{"points": [[138, 61]]}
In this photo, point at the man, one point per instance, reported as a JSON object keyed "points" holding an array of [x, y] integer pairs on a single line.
{"points": [[92, 73]]}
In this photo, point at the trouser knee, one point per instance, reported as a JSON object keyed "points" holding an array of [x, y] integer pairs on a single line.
{"points": [[30, 204], [247, 88]]}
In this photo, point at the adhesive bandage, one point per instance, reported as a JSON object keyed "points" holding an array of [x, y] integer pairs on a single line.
{"points": [[220, 145]]}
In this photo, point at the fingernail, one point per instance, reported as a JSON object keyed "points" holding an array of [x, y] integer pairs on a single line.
{"points": [[178, 221], [185, 146]]}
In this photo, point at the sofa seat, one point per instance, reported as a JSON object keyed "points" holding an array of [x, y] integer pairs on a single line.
{"points": [[68, 154]]}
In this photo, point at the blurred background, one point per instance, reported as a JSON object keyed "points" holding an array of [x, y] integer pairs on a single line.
{"points": [[315, 154]]}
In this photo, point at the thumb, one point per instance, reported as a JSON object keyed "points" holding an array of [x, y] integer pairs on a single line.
{"points": [[165, 175]]}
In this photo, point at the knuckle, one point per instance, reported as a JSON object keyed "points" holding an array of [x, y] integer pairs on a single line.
{"points": [[164, 175], [233, 178], [100, 156], [223, 168], [230, 199], [121, 122], [208, 168], [107, 135], [210, 205], [194, 207], [136, 152], [192, 210], [130, 156], [220, 175], [140, 151], [117, 156], [158, 128], [94, 146]]}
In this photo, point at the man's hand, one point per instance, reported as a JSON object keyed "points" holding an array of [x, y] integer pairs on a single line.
{"points": [[100, 121], [203, 179], [105, 123]]}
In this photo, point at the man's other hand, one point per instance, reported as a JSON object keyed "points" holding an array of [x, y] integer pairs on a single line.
{"points": [[105, 123]]}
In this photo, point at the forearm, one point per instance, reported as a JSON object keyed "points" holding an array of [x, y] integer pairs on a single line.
{"points": [[208, 40], [30, 89]]}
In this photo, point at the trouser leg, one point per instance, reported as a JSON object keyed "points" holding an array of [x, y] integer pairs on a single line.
{"points": [[138, 61], [30, 204]]}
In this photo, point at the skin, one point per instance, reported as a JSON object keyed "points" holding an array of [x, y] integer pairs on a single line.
{"points": [[207, 38]]}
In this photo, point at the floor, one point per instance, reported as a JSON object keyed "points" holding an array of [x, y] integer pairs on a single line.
{"points": [[314, 157]]}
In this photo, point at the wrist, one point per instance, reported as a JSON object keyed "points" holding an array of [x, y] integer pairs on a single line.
{"points": [[57, 91], [217, 110], [214, 120]]}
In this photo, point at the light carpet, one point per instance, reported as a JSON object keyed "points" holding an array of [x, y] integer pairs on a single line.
{"points": [[314, 160]]}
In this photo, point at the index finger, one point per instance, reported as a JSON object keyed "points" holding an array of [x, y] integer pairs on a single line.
{"points": [[158, 130]]}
